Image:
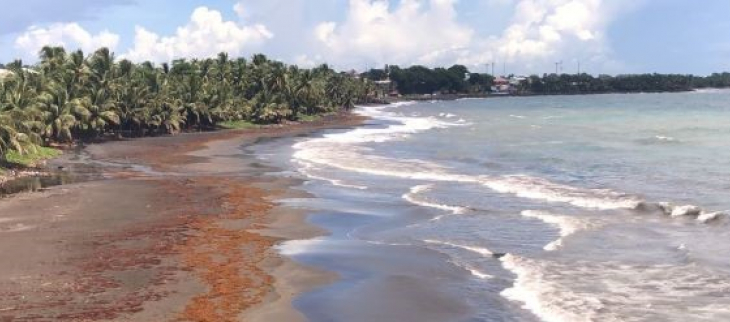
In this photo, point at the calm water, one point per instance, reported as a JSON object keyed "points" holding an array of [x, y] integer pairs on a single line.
{"points": [[605, 207]]}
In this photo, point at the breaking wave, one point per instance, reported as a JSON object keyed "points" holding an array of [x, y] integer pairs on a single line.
{"points": [[568, 225], [684, 211], [413, 198], [474, 249], [538, 188], [612, 291], [483, 252], [659, 140], [349, 151]]}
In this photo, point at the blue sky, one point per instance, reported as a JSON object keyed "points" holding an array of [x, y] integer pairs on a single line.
{"points": [[526, 36]]}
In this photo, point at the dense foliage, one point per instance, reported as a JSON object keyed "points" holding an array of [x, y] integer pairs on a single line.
{"points": [[588, 84], [71, 96], [458, 79], [424, 80]]}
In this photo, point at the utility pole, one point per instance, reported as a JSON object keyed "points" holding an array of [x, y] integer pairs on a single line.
{"points": [[558, 67], [578, 66], [504, 68]]}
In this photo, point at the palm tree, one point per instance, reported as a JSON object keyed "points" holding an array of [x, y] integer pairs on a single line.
{"points": [[52, 59], [166, 117], [78, 72], [59, 113], [101, 112], [67, 95], [310, 91], [10, 138], [16, 133], [19, 89]]}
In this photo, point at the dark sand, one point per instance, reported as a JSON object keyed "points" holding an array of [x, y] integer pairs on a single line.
{"points": [[182, 230]]}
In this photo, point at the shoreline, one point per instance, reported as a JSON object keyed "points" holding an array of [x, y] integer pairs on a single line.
{"points": [[188, 237], [453, 97]]}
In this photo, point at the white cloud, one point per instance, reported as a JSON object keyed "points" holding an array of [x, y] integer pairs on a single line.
{"points": [[369, 33], [239, 9], [206, 35], [432, 32], [412, 33], [544, 31], [308, 62], [70, 35], [540, 27]]}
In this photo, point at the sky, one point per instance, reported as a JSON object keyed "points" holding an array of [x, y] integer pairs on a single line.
{"points": [[517, 36]]}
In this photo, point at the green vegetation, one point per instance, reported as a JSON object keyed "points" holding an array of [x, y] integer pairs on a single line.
{"points": [[423, 80], [237, 125], [314, 117], [588, 84], [67, 97], [458, 80], [32, 156]]}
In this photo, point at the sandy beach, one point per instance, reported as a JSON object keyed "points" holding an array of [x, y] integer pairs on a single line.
{"points": [[181, 228]]}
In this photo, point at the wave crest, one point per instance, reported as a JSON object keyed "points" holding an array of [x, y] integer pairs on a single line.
{"points": [[682, 211], [568, 225], [413, 198]]}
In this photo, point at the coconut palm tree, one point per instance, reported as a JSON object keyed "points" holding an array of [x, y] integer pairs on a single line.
{"points": [[52, 60], [17, 132], [10, 138], [60, 113], [68, 95], [100, 112]]}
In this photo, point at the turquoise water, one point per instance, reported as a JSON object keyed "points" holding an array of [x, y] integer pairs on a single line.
{"points": [[564, 208]]}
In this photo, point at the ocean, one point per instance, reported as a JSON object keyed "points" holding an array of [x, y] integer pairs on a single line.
{"points": [[551, 208]]}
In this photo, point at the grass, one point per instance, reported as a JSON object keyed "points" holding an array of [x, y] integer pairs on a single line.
{"points": [[237, 125], [243, 125], [31, 157], [309, 118], [312, 118]]}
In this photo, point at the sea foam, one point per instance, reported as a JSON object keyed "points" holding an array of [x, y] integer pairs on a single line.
{"points": [[413, 197], [581, 291], [568, 225], [692, 211], [474, 249], [538, 188], [348, 151]]}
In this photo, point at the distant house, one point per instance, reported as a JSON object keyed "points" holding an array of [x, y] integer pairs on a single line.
{"points": [[354, 74], [4, 73], [505, 86], [501, 86], [516, 80], [385, 88]]}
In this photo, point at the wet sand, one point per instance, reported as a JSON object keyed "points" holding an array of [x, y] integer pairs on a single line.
{"points": [[182, 229]]}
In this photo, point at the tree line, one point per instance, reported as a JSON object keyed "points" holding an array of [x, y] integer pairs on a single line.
{"points": [[458, 79], [423, 80], [67, 96], [588, 84]]}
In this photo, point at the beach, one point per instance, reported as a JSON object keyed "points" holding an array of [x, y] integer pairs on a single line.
{"points": [[523, 209], [173, 228], [565, 208]]}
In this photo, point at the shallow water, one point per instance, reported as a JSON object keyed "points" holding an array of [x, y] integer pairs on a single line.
{"points": [[605, 207], [73, 167], [33, 184]]}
